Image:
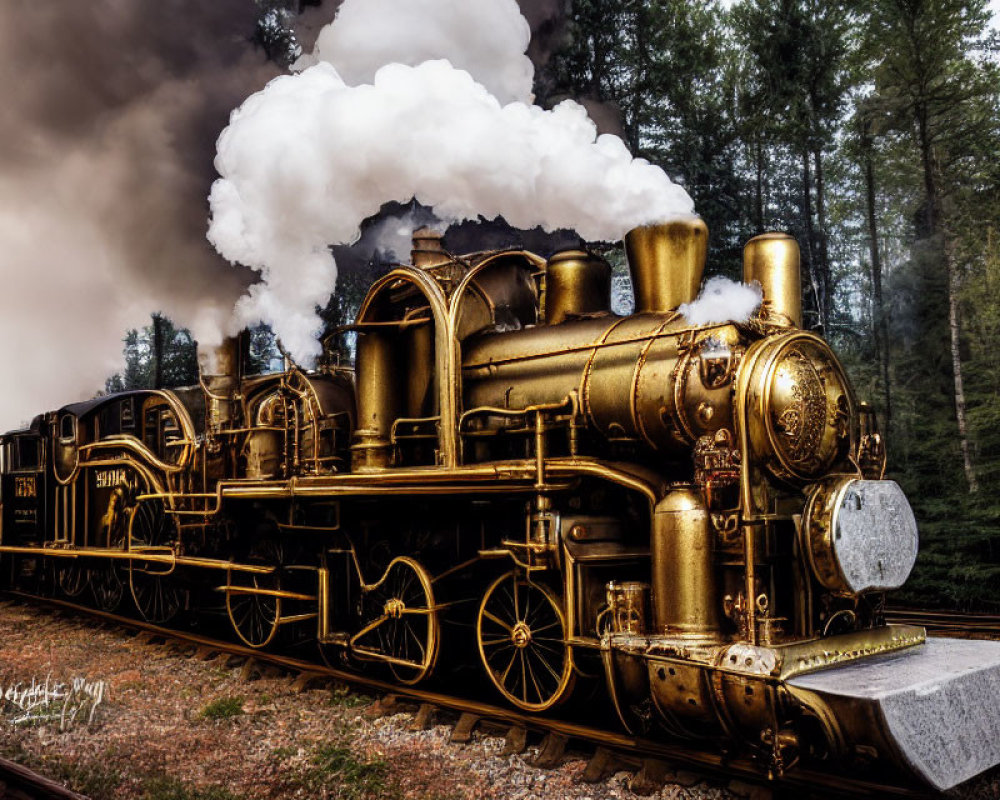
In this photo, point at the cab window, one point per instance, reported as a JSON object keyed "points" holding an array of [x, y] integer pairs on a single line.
{"points": [[26, 453], [127, 414], [160, 429], [67, 429]]}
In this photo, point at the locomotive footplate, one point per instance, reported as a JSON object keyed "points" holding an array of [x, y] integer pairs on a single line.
{"points": [[932, 709]]}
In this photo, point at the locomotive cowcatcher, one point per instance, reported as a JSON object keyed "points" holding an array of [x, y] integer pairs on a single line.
{"points": [[692, 516]]}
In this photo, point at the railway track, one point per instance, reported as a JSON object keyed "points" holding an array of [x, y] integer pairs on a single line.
{"points": [[17, 782], [948, 623], [653, 762]]}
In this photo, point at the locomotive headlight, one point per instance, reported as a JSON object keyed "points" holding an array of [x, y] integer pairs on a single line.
{"points": [[859, 536]]}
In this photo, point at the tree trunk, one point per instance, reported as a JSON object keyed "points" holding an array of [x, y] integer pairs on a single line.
{"points": [[880, 324], [825, 280], [759, 186], [936, 227], [807, 218], [157, 351], [954, 327]]}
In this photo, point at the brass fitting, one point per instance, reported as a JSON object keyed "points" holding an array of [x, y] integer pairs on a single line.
{"points": [[576, 283], [772, 259]]}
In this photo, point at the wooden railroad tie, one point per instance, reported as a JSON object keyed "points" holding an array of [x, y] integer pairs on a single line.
{"points": [[551, 752], [424, 717], [602, 765], [462, 732], [516, 741]]}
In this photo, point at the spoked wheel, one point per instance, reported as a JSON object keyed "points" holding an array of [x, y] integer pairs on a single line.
{"points": [[156, 597], [255, 614], [400, 624], [106, 586], [71, 578], [522, 637]]}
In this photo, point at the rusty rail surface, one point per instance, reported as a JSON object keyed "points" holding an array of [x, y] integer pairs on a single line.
{"points": [[948, 623], [633, 750], [17, 782]]}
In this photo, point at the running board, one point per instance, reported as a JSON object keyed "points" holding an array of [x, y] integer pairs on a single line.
{"points": [[933, 709]]}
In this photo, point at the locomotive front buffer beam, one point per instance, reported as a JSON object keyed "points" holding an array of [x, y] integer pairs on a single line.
{"points": [[891, 697]]}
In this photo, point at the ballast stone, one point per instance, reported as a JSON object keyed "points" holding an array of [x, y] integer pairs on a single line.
{"points": [[938, 704]]}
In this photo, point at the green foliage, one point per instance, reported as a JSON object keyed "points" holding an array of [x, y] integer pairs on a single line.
{"points": [[794, 115], [178, 358], [337, 771], [163, 787], [342, 695], [223, 708]]}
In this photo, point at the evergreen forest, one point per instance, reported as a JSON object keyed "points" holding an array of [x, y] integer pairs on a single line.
{"points": [[870, 132]]}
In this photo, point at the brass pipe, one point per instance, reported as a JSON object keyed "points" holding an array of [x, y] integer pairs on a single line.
{"points": [[539, 451], [750, 587]]}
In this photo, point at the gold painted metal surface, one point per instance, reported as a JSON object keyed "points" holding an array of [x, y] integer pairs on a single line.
{"points": [[666, 262], [801, 412], [772, 260], [379, 395], [576, 283], [686, 603], [521, 632]]}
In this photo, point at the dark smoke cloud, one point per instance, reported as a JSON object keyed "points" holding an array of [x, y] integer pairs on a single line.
{"points": [[547, 19], [107, 133]]}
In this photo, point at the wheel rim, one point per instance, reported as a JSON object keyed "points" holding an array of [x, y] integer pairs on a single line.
{"points": [[256, 617], [72, 579], [107, 587], [521, 632], [400, 622], [156, 598]]}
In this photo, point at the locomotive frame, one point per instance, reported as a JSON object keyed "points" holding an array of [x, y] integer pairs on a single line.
{"points": [[693, 514]]}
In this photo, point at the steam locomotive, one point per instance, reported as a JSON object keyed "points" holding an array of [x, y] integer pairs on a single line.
{"points": [[695, 516]]}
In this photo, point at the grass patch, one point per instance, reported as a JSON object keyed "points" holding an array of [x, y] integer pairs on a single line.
{"points": [[163, 787], [336, 770], [223, 708], [341, 695]]}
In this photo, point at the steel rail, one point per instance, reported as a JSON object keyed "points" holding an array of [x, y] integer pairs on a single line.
{"points": [[17, 780], [948, 623], [630, 748]]}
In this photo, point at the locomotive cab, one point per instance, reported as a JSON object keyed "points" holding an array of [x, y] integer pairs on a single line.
{"points": [[23, 487]]}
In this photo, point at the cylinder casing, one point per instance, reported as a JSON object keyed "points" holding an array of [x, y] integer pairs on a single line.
{"points": [[685, 599], [380, 396]]}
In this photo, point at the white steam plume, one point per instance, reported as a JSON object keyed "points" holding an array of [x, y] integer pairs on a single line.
{"points": [[487, 38], [393, 235], [307, 159], [723, 300]]}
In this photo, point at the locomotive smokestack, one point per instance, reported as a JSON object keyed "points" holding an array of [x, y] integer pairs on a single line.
{"points": [[427, 249], [772, 259], [666, 262], [221, 379]]}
